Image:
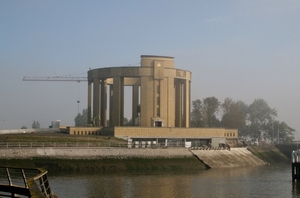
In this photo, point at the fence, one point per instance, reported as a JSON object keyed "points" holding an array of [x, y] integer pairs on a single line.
{"points": [[60, 144], [134, 144], [24, 182]]}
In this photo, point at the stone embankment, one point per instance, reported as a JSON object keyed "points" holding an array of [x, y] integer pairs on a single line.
{"points": [[139, 159], [236, 157], [93, 153]]}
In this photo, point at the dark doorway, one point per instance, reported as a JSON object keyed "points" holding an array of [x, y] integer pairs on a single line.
{"points": [[158, 124]]}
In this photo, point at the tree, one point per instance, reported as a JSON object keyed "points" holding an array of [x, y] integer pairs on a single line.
{"points": [[233, 116], [127, 122], [283, 133], [259, 115], [210, 109], [36, 124], [81, 119], [196, 114], [23, 127]]}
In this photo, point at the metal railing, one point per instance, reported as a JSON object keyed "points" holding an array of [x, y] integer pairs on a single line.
{"points": [[24, 182], [134, 144], [60, 144], [140, 144]]}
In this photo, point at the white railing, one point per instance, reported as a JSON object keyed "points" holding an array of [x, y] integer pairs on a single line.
{"points": [[137, 144]]}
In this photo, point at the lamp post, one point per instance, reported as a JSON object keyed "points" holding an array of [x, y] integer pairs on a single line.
{"points": [[278, 133], [273, 132], [78, 106]]}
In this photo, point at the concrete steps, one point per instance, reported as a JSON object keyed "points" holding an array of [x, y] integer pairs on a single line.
{"points": [[236, 157]]}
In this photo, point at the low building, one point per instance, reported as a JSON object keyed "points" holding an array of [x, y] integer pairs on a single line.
{"points": [[163, 136]]}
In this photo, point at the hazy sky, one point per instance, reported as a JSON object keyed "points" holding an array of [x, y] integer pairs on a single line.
{"points": [[238, 49]]}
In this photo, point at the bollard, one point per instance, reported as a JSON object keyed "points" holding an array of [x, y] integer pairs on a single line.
{"points": [[295, 166]]}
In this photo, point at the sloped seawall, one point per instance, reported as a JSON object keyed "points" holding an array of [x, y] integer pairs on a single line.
{"points": [[133, 159], [236, 157]]}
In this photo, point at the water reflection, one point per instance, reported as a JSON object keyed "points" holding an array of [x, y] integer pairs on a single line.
{"points": [[261, 181]]}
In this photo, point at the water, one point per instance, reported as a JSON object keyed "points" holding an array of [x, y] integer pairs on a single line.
{"points": [[261, 181]]}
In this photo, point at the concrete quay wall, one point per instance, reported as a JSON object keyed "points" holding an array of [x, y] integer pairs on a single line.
{"points": [[236, 157], [92, 153]]}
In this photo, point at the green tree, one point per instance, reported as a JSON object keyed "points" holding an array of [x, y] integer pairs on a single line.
{"points": [[233, 116], [36, 124], [81, 119], [283, 133], [196, 114], [259, 115], [23, 127], [127, 122], [210, 109]]}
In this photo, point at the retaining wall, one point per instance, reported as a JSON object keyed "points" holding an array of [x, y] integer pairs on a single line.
{"points": [[236, 157], [92, 153]]}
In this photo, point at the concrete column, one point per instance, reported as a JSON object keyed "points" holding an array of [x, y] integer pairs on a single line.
{"points": [[170, 102], [96, 103], [89, 107], [135, 102], [111, 106], [146, 101], [104, 102], [156, 105], [178, 104], [118, 101], [186, 104]]}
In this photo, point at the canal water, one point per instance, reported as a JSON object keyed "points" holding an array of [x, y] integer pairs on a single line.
{"points": [[260, 181]]}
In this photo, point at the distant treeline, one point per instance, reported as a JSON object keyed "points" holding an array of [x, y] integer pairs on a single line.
{"points": [[255, 121]]}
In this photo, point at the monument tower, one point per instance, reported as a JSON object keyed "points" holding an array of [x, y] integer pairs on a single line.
{"points": [[161, 94]]}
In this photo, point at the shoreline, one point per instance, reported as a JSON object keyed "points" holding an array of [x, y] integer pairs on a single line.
{"points": [[101, 159], [115, 159]]}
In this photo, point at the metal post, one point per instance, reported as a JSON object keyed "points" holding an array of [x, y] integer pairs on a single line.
{"points": [[8, 176], [24, 178], [278, 133]]}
